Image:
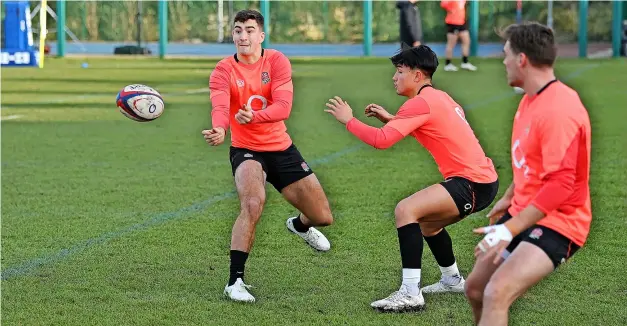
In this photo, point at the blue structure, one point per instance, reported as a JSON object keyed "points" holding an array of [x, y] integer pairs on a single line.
{"points": [[17, 48]]}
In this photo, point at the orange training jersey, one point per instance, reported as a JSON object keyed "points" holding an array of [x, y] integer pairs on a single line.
{"points": [[446, 134], [267, 87], [455, 11], [550, 151]]}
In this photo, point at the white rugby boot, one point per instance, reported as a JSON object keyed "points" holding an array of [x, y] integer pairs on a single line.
{"points": [[450, 67], [452, 284], [313, 237], [468, 66], [400, 301], [239, 292]]}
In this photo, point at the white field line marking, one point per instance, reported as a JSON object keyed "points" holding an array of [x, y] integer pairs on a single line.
{"points": [[89, 96], [11, 117]]}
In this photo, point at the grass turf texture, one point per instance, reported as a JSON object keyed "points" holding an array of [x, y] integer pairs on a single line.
{"points": [[110, 221]]}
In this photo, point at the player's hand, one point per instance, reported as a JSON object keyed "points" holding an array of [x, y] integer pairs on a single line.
{"points": [[215, 136], [377, 111], [244, 115], [340, 109], [497, 238], [499, 209]]}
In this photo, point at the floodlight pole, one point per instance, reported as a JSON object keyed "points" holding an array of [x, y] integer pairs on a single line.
{"points": [[549, 17], [220, 21], [616, 28], [139, 23], [265, 11], [474, 27], [228, 38], [163, 27], [367, 28], [61, 28], [583, 28]]}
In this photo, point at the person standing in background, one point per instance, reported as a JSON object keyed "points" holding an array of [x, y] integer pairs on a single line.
{"points": [[456, 29], [410, 24]]}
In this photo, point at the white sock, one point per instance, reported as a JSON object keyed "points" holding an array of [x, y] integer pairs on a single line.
{"points": [[450, 275], [450, 271], [411, 279]]}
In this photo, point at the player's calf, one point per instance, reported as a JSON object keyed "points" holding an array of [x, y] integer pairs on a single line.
{"points": [[309, 198], [441, 246], [311, 235], [433, 208], [476, 283], [323, 217]]}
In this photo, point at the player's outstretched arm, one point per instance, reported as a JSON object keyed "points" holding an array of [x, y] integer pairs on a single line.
{"points": [[282, 92], [380, 138]]}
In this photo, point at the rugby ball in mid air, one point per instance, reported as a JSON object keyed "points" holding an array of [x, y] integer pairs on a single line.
{"points": [[140, 103]]}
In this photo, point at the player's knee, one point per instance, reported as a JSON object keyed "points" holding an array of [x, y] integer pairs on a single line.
{"points": [[404, 213], [253, 206], [496, 293], [473, 290]]}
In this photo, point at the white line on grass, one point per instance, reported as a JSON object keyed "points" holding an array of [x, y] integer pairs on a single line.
{"points": [[11, 117]]}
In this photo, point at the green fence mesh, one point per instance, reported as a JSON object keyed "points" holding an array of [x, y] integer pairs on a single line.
{"points": [[314, 21]]}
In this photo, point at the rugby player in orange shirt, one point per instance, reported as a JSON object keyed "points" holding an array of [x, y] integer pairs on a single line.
{"points": [[252, 92], [544, 216], [470, 183]]}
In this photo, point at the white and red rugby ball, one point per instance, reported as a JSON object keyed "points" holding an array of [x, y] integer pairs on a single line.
{"points": [[140, 103]]}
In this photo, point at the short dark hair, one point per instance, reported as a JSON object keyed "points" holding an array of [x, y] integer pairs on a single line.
{"points": [[244, 15], [420, 57], [535, 40]]}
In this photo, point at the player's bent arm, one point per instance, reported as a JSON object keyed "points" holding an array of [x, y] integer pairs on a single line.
{"points": [[279, 110], [220, 95], [411, 115], [282, 90], [525, 219], [379, 138], [390, 134], [561, 139]]}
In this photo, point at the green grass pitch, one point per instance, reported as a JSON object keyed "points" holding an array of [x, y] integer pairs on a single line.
{"points": [[107, 221]]}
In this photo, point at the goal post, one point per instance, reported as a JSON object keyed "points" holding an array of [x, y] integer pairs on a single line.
{"points": [[18, 48], [43, 32]]}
